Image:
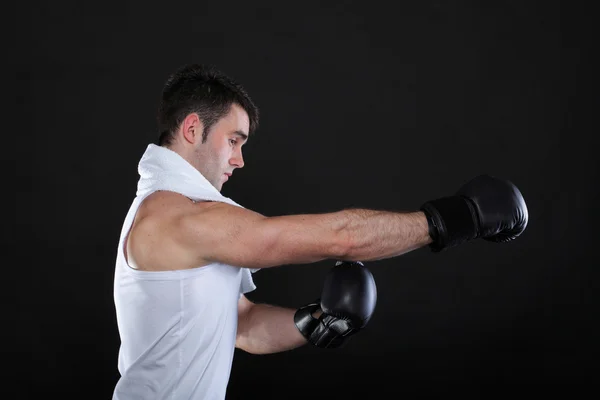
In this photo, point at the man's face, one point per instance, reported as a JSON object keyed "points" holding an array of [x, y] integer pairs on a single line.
{"points": [[222, 152]]}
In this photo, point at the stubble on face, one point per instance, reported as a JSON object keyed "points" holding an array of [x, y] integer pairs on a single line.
{"points": [[207, 163], [213, 157]]}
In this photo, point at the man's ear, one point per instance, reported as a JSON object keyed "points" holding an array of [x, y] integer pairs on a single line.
{"points": [[192, 128]]}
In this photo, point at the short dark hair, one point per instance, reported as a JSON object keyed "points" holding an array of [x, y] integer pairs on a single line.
{"points": [[202, 89]]}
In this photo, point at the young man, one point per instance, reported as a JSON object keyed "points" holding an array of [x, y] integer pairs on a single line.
{"points": [[186, 253]]}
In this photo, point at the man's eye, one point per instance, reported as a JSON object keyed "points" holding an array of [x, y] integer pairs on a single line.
{"points": [[232, 141]]}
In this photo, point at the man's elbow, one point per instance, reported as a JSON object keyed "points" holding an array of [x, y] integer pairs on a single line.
{"points": [[242, 345], [248, 348], [242, 341]]}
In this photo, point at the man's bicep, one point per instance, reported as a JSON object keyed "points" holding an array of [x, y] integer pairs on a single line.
{"points": [[219, 232], [241, 237]]}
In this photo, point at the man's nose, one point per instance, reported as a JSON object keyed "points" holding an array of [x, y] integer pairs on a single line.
{"points": [[237, 160]]}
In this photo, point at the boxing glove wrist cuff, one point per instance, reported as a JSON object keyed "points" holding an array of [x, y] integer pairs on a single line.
{"points": [[304, 320], [452, 220], [326, 331]]}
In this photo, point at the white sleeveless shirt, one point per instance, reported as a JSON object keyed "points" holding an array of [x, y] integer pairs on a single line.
{"points": [[177, 328]]}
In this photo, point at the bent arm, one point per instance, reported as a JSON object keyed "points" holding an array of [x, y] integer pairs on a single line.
{"points": [[266, 329]]}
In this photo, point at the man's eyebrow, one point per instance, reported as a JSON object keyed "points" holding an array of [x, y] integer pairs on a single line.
{"points": [[241, 134]]}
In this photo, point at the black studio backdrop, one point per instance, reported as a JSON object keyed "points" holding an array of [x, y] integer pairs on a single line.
{"points": [[363, 104]]}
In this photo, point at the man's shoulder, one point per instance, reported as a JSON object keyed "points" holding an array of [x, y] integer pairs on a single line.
{"points": [[163, 209], [164, 203], [154, 233]]}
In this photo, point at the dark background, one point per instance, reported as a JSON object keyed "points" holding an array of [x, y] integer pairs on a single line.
{"points": [[363, 104]]}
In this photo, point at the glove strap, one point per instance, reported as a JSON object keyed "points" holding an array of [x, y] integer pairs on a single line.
{"points": [[452, 221]]}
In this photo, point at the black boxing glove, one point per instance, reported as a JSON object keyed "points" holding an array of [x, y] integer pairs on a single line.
{"points": [[347, 301], [485, 207]]}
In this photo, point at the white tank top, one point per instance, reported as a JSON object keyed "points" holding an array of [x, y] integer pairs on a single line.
{"points": [[177, 328]]}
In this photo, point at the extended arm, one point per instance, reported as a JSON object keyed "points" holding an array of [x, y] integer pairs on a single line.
{"points": [[173, 232], [206, 232], [223, 233]]}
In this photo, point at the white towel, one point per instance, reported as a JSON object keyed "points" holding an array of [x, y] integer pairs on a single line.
{"points": [[163, 169]]}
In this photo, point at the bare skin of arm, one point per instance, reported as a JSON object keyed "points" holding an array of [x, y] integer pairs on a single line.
{"points": [[171, 232], [266, 329]]}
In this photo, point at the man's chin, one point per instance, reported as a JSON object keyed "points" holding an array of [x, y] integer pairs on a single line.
{"points": [[217, 186]]}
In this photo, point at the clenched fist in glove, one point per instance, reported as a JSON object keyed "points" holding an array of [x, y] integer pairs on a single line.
{"points": [[347, 303], [485, 207]]}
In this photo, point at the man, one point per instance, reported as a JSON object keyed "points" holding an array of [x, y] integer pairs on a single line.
{"points": [[186, 253]]}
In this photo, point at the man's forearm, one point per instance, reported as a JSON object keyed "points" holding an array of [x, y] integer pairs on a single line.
{"points": [[372, 234], [269, 329]]}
